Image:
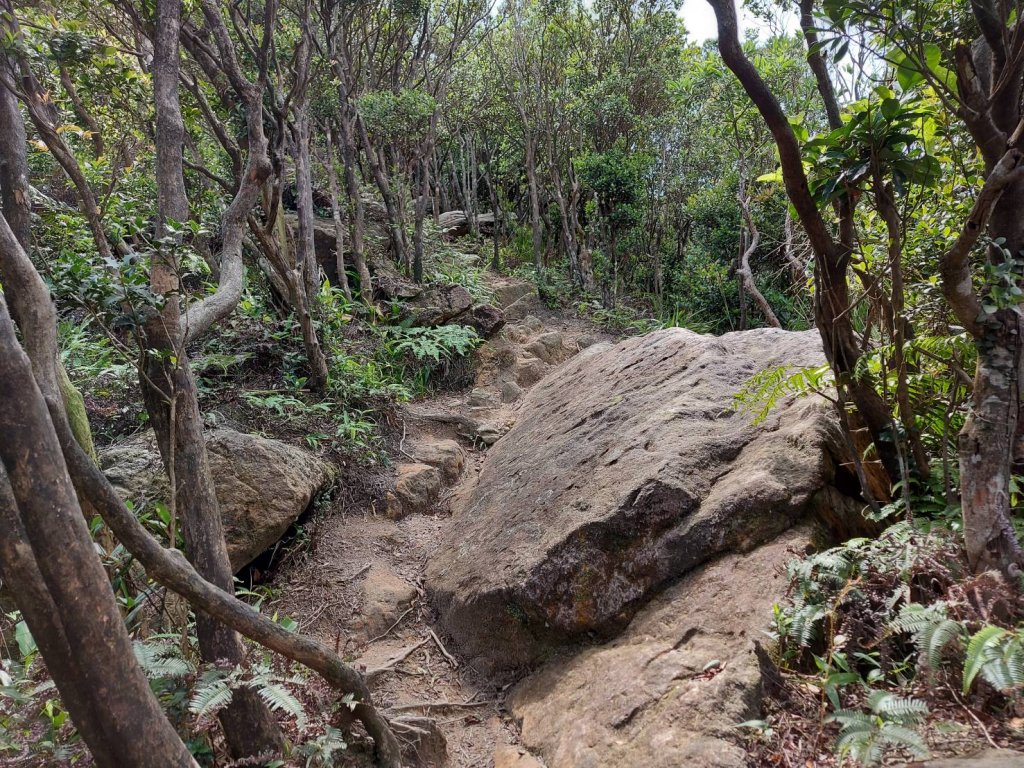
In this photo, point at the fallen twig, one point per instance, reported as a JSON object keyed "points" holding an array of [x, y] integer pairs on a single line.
{"points": [[438, 705], [981, 725], [357, 574], [387, 631], [394, 660], [452, 660]]}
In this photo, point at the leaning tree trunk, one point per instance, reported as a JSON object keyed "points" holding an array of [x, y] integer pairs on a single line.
{"points": [[16, 204], [48, 557]]}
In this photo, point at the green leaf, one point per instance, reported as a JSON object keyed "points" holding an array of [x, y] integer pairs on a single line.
{"points": [[982, 640]]}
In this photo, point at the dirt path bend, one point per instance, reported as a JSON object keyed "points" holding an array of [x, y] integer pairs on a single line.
{"points": [[359, 584]]}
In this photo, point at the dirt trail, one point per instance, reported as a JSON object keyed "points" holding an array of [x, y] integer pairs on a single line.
{"points": [[359, 585]]}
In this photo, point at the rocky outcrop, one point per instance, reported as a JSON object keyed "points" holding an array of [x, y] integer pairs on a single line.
{"points": [[670, 690], [263, 485], [629, 466]]}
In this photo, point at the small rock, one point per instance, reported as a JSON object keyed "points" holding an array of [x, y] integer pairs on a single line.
{"points": [[480, 398], [488, 434], [538, 350], [586, 340], [384, 596], [446, 456], [510, 391], [534, 323], [509, 293], [485, 319], [529, 370], [509, 756], [439, 304], [516, 333], [393, 506], [554, 343], [417, 487], [521, 308]]}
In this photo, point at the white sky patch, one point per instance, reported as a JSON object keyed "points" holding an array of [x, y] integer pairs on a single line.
{"points": [[700, 21]]}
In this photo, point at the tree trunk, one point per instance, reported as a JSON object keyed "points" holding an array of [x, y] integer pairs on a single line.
{"points": [[535, 223], [306, 283], [17, 209], [357, 213], [59, 583], [339, 225], [169, 392]]}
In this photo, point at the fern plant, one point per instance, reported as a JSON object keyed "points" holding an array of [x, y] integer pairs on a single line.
{"points": [[890, 723], [216, 687], [996, 654]]}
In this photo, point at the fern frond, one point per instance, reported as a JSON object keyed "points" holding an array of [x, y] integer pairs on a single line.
{"points": [[280, 699], [980, 652], [212, 693]]}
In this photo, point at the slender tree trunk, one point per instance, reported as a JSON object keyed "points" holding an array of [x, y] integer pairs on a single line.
{"points": [[535, 220], [492, 189], [422, 189], [356, 208], [395, 223], [750, 241], [307, 271], [172, 402], [339, 225]]}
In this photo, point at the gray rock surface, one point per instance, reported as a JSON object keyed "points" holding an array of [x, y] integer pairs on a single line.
{"points": [[262, 485], [628, 467], [669, 691]]}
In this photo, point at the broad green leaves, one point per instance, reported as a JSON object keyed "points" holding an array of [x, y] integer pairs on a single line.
{"points": [[881, 136]]}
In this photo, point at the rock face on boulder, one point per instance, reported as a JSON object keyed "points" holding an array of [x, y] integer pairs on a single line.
{"points": [[262, 485], [669, 691], [629, 466]]}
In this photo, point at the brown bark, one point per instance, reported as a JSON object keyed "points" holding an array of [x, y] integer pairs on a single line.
{"points": [[306, 279], [357, 213], [53, 556], [170, 569], [171, 399], [534, 187], [832, 296], [82, 112], [339, 225]]}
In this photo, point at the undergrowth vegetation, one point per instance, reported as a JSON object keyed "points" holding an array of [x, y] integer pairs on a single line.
{"points": [[890, 646]]}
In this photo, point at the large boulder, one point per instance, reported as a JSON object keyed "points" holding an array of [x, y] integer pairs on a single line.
{"points": [[263, 485], [670, 690], [629, 466]]}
